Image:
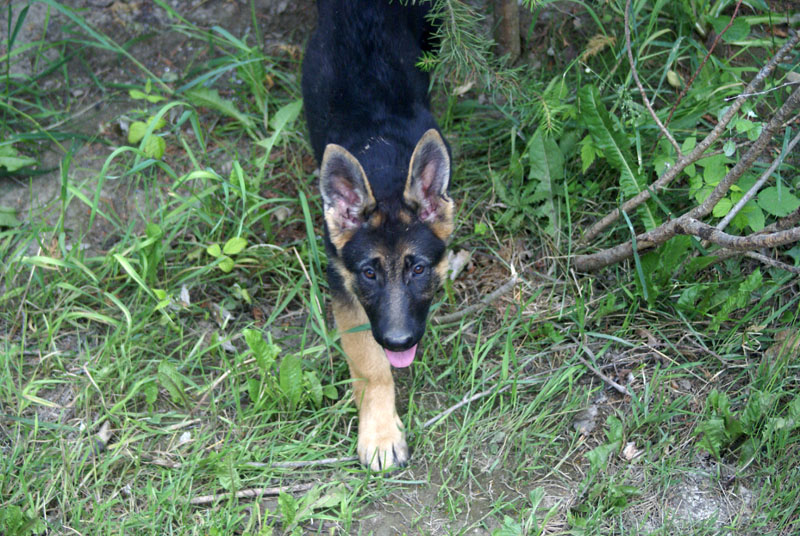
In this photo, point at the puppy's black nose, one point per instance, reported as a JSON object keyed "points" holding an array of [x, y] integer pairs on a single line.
{"points": [[398, 340]]}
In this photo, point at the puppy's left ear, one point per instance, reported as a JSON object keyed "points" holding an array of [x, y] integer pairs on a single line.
{"points": [[427, 184]]}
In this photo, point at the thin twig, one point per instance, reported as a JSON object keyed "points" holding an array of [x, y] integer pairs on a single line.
{"points": [[772, 262], [458, 315], [301, 463], [464, 401], [620, 388], [254, 492], [635, 74], [762, 92]]}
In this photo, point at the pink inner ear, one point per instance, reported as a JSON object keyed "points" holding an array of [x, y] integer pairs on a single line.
{"points": [[428, 197], [428, 175], [347, 203], [428, 208]]}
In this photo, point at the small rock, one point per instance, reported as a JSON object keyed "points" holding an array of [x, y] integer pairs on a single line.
{"points": [[585, 421]]}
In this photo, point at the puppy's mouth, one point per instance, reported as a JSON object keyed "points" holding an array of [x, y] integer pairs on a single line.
{"points": [[401, 359]]}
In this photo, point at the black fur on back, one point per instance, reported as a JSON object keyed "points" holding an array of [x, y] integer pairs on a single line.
{"points": [[362, 89]]}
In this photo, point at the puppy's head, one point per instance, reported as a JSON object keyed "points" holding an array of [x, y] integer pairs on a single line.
{"points": [[391, 254]]}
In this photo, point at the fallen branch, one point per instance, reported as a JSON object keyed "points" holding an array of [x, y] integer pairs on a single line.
{"points": [[254, 492], [673, 171], [664, 232], [486, 300], [691, 226]]}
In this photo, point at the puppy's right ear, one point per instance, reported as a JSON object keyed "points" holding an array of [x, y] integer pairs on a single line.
{"points": [[346, 196]]}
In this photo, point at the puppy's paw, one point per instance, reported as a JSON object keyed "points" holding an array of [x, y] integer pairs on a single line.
{"points": [[382, 445]]}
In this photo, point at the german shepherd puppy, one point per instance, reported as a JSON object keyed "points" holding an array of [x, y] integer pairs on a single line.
{"points": [[384, 177]]}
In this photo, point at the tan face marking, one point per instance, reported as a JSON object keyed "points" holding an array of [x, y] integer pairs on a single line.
{"points": [[441, 269], [376, 219], [405, 216], [339, 238]]}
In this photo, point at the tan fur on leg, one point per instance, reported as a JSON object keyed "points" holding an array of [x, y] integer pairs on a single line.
{"points": [[381, 441]]}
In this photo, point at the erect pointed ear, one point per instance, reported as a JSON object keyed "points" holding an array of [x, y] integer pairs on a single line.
{"points": [[426, 186], [346, 195]]}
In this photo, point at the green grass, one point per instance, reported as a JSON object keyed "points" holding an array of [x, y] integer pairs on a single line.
{"points": [[130, 384]]}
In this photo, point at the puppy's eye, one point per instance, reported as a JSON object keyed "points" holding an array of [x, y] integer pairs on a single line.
{"points": [[419, 269], [369, 273]]}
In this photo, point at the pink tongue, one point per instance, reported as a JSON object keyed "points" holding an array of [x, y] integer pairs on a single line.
{"points": [[401, 359]]}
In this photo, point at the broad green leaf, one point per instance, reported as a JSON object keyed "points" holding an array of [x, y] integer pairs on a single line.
{"points": [[609, 136], [722, 207], [291, 378], [136, 131], [334, 496], [546, 166], [755, 216], [227, 474], [155, 146], [744, 125], [689, 144], [156, 123], [738, 31], [226, 264], [254, 389], [214, 250], [754, 411], [614, 432], [509, 527], [314, 387], [14, 163], [8, 217], [598, 456], [138, 94], [150, 393], [285, 115], [588, 154], [689, 297], [330, 392], [209, 98], [234, 245], [729, 148], [155, 98], [263, 351], [171, 380], [288, 507], [778, 204], [674, 79], [714, 435]]}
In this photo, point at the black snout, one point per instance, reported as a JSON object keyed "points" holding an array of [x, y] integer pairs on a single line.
{"points": [[398, 340]]}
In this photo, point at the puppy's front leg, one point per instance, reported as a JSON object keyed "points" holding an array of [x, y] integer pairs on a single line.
{"points": [[381, 441]]}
